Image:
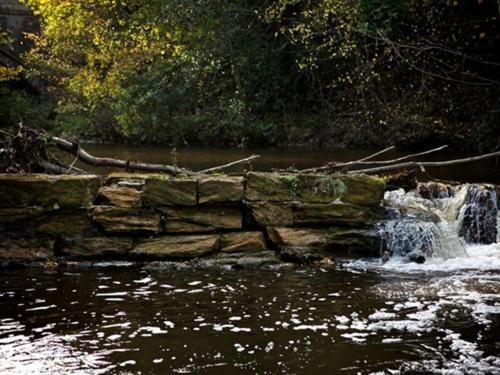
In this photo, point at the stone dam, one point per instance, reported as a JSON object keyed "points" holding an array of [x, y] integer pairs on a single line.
{"points": [[251, 220]]}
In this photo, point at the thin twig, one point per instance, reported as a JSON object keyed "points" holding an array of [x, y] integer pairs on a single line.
{"points": [[386, 162], [331, 165], [233, 163]]}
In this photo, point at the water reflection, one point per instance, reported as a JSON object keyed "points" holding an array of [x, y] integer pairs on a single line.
{"points": [[267, 322]]}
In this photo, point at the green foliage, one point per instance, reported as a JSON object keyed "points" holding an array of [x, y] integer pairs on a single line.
{"points": [[255, 73]]}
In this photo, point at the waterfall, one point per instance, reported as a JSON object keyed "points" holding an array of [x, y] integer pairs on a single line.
{"points": [[438, 222]]}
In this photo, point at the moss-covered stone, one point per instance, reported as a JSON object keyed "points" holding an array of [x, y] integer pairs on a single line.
{"points": [[167, 191], [25, 249], [125, 197], [336, 214], [314, 188], [96, 246], [126, 220], [272, 187], [243, 242], [115, 178], [269, 213], [220, 189], [202, 219], [177, 247], [363, 189], [47, 191]]}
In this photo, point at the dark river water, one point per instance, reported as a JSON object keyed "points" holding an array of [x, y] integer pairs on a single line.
{"points": [[360, 317], [202, 158], [350, 320]]}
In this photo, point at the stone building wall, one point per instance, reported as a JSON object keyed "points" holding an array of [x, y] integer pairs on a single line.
{"points": [[257, 219]]}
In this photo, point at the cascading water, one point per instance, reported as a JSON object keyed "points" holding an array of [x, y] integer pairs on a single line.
{"points": [[441, 224]]}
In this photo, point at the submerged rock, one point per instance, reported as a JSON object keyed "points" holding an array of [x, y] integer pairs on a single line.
{"points": [[178, 247], [239, 260], [302, 255]]}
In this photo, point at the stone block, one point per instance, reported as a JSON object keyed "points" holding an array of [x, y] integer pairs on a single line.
{"points": [[336, 214], [177, 247], [47, 191], [243, 242], [220, 189], [126, 220], [96, 246], [125, 197], [202, 219], [270, 213], [168, 191]]}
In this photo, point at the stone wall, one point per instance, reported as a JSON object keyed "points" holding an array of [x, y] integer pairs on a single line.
{"points": [[258, 218]]}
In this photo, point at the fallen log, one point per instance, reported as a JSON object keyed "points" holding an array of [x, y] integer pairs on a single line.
{"points": [[129, 165]]}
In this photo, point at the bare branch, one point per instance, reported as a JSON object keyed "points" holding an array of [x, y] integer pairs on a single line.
{"points": [[233, 163], [424, 164], [82, 155]]}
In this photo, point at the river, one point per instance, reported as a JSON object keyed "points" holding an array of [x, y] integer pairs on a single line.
{"points": [[357, 317]]}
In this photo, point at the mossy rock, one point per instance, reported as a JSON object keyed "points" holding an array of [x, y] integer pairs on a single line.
{"points": [[60, 223], [336, 214], [201, 219], [177, 247], [220, 189], [47, 191], [269, 213], [13, 216], [314, 188], [126, 220], [168, 191]]}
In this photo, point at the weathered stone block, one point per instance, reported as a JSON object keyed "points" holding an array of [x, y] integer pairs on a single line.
{"points": [[336, 214], [314, 188], [363, 189], [220, 189], [239, 260], [63, 223], [202, 219], [243, 242], [47, 191], [270, 213], [178, 247], [19, 215], [269, 187], [126, 220], [167, 191], [26, 249], [96, 246], [298, 237], [121, 196], [335, 240]]}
